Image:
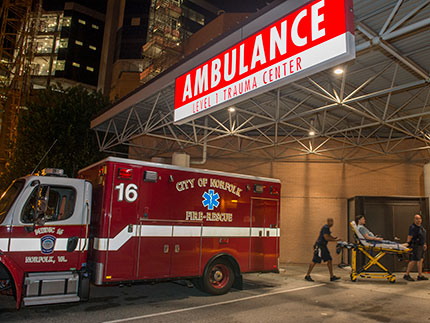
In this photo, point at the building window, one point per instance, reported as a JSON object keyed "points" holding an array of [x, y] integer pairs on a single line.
{"points": [[83, 22], [193, 15], [92, 47], [77, 42], [44, 44], [40, 65], [64, 42], [135, 21], [76, 64], [48, 23], [60, 65], [67, 21], [95, 26], [89, 68]]}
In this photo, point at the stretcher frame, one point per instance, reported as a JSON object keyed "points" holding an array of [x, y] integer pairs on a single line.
{"points": [[364, 271]]}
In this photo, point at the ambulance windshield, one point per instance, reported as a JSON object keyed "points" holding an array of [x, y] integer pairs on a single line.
{"points": [[9, 196]]}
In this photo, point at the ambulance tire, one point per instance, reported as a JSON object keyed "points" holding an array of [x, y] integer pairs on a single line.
{"points": [[218, 278]]}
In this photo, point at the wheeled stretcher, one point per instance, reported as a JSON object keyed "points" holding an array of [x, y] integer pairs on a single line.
{"points": [[369, 249]]}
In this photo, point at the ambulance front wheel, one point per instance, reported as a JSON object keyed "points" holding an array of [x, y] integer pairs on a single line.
{"points": [[218, 278]]}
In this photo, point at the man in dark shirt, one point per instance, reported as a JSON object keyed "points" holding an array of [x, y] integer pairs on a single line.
{"points": [[417, 241], [321, 252]]}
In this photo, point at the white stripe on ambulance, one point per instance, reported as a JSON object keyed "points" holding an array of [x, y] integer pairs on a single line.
{"points": [[34, 245], [4, 244], [114, 244]]}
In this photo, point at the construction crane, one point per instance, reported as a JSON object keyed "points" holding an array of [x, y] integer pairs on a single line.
{"points": [[19, 21]]}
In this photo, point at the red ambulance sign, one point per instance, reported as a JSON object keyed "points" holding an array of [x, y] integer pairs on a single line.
{"points": [[315, 37]]}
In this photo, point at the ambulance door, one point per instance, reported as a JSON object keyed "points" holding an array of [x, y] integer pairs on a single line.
{"points": [[257, 234], [186, 244], [123, 224], [155, 227], [264, 223], [271, 233], [56, 240], [187, 231]]}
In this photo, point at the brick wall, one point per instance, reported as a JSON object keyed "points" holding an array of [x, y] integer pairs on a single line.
{"points": [[311, 192]]}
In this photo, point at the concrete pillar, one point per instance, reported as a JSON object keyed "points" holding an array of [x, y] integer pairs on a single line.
{"points": [[113, 16], [427, 183]]}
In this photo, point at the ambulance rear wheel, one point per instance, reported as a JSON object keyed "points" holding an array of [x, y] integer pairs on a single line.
{"points": [[218, 278]]}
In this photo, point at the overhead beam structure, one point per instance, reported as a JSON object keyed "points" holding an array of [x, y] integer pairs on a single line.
{"points": [[378, 108]]}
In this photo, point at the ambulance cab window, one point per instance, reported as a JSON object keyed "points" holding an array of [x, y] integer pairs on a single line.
{"points": [[61, 203], [8, 197]]}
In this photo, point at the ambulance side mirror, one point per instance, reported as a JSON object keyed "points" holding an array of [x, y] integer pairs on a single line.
{"points": [[42, 199], [41, 203]]}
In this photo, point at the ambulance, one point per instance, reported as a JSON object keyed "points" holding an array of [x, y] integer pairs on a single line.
{"points": [[128, 221]]}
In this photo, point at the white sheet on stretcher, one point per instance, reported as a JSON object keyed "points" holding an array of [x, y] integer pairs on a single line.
{"points": [[376, 244]]}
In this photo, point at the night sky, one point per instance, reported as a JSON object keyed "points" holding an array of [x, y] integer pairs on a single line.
{"points": [[99, 5], [239, 5], [226, 5]]}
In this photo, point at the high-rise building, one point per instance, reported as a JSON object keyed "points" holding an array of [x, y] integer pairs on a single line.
{"points": [[45, 42], [68, 45], [143, 38]]}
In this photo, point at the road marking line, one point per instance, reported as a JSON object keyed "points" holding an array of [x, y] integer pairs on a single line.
{"points": [[284, 291]]}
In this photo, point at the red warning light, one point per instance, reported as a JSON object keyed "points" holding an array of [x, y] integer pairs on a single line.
{"points": [[102, 170], [125, 173], [273, 190]]}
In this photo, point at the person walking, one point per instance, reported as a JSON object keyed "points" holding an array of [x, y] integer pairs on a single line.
{"points": [[321, 252], [417, 241]]}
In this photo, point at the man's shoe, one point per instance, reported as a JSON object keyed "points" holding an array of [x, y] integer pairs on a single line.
{"points": [[422, 278], [334, 278], [408, 278], [309, 278]]}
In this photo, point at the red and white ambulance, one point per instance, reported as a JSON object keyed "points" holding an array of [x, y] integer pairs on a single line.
{"points": [[130, 221]]}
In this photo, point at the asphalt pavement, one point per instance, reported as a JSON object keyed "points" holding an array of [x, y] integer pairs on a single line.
{"points": [[284, 297]]}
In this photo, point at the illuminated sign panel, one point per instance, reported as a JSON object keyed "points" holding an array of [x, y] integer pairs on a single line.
{"points": [[314, 37]]}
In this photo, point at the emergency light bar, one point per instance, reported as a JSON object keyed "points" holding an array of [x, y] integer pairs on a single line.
{"points": [[52, 172]]}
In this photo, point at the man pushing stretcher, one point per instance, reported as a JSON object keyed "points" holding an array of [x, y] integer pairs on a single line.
{"points": [[416, 241]]}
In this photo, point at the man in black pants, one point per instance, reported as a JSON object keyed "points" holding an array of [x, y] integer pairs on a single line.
{"points": [[417, 241], [321, 252]]}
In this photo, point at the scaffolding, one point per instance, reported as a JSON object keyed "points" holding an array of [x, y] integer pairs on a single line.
{"points": [[165, 38], [16, 52]]}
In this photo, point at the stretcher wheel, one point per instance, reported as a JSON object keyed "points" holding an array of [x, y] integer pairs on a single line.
{"points": [[392, 279], [353, 278]]}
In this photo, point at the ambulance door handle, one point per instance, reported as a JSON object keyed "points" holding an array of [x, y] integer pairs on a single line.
{"points": [[166, 248], [260, 233], [176, 248], [72, 242]]}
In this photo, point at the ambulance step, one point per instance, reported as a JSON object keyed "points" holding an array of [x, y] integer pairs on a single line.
{"points": [[52, 299], [50, 288]]}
